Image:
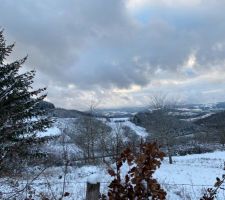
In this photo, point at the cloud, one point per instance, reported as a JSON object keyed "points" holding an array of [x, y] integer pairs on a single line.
{"points": [[99, 46], [135, 5]]}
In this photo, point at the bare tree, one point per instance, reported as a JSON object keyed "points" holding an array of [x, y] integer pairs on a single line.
{"points": [[85, 136], [117, 144], [164, 124], [92, 135], [132, 140], [104, 139]]}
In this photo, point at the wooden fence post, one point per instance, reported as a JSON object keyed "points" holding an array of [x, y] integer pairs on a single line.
{"points": [[93, 191]]}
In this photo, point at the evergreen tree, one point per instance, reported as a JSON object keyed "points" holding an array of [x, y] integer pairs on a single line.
{"points": [[20, 117]]}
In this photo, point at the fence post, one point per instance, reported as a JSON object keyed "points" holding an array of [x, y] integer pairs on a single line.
{"points": [[93, 191]]}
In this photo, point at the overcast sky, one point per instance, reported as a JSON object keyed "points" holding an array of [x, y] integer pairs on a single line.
{"points": [[120, 52]]}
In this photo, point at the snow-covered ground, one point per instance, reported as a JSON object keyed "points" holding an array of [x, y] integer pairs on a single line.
{"points": [[140, 131], [187, 178], [53, 131], [191, 175], [200, 117]]}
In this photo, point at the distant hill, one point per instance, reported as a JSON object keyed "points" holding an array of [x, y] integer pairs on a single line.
{"points": [[44, 105], [59, 112], [151, 121], [120, 112], [186, 112], [216, 120], [64, 113], [220, 105]]}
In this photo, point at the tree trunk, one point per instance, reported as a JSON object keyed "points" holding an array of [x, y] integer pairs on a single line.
{"points": [[88, 152], [170, 159], [169, 151]]}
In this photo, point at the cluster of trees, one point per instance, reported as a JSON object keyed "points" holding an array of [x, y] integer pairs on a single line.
{"points": [[172, 132], [162, 126], [91, 136], [97, 139], [216, 127]]}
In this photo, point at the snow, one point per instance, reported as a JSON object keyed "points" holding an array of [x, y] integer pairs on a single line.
{"points": [[191, 174], [140, 131], [57, 148], [121, 119], [200, 117], [53, 131], [58, 125], [94, 178], [187, 178]]}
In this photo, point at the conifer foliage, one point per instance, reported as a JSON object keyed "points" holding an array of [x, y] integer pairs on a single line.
{"points": [[20, 118]]}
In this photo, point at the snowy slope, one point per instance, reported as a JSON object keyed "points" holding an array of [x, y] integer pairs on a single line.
{"points": [[138, 129], [53, 131], [115, 122]]}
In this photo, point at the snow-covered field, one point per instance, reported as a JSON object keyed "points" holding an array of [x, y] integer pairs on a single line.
{"points": [[191, 175], [187, 178]]}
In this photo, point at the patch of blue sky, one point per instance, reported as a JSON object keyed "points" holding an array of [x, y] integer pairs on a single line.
{"points": [[190, 73], [180, 18]]}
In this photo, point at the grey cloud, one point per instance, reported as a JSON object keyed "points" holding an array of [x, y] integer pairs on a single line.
{"points": [[55, 33], [97, 43], [59, 34]]}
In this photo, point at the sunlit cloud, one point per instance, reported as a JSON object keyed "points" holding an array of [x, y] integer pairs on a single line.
{"points": [[120, 52]]}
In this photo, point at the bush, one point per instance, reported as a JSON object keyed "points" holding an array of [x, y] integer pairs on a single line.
{"points": [[138, 182]]}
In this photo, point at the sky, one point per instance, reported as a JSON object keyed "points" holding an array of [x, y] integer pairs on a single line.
{"points": [[119, 53]]}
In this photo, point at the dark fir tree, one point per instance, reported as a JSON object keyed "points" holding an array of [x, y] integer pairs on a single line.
{"points": [[20, 117]]}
